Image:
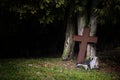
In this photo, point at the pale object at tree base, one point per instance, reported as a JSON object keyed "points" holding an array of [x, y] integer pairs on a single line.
{"points": [[90, 64]]}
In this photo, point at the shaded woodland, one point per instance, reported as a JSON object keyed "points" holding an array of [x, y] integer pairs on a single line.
{"points": [[28, 38]]}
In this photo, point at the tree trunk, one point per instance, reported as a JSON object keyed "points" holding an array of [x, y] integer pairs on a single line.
{"points": [[81, 24], [91, 48], [91, 19], [69, 43], [83, 20]]}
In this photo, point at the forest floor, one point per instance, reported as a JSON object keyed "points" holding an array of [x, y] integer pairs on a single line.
{"points": [[56, 69], [110, 60]]}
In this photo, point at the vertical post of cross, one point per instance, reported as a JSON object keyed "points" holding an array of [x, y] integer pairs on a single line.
{"points": [[84, 40]]}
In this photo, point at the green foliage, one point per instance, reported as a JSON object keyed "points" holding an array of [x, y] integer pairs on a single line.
{"points": [[46, 1], [108, 11], [48, 69], [46, 19], [78, 8], [59, 3], [43, 9], [48, 11]]}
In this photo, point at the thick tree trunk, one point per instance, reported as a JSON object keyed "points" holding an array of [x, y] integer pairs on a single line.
{"points": [[81, 24], [88, 20], [69, 43], [83, 20], [91, 48]]}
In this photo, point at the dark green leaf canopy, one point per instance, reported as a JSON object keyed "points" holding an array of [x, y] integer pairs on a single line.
{"points": [[48, 11]]}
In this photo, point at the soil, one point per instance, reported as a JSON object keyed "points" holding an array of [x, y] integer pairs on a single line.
{"points": [[110, 61]]}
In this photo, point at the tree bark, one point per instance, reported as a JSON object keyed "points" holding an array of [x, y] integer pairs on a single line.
{"points": [[91, 48], [81, 24], [92, 20], [69, 43], [82, 21]]}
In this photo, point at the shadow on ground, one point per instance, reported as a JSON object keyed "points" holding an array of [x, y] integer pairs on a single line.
{"points": [[109, 60]]}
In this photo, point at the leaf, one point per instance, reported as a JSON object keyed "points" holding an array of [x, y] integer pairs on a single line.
{"points": [[57, 5], [78, 8], [47, 1], [49, 20], [41, 21], [60, 3], [41, 7], [33, 12], [47, 12]]}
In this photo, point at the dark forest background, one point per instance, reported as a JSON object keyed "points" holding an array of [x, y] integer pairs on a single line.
{"points": [[28, 38]]}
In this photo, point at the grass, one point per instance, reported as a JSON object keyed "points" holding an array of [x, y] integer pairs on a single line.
{"points": [[49, 69]]}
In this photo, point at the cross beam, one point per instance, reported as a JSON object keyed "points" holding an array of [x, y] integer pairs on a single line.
{"points": [[84, 39]]}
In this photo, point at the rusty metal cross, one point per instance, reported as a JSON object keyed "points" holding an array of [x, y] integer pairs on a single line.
{"points": [[84, 39]]}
